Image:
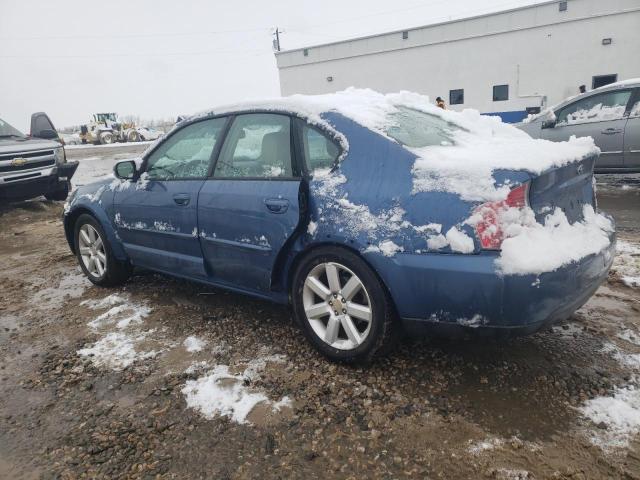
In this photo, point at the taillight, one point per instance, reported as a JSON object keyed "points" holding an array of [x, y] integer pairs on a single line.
{"points": [[488, 226]]}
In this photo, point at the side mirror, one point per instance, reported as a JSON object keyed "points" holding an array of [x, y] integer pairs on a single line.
{"points": [[125, 170], [47, 134], [550, 123]]}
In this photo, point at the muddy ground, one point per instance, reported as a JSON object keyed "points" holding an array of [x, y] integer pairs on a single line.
{"points": [[432, 409]]}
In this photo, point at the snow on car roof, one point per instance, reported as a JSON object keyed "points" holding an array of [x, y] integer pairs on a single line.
{"points": [[621, 83], [482, 144]]}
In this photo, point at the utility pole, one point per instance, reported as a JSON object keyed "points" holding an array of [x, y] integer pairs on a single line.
{"points": [[276, 43]]}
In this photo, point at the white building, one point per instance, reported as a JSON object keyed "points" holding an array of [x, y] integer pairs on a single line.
{"points": [[502, 63]]}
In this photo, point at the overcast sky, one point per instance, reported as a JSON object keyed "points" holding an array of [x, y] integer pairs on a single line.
{"points": [[161, 58]]}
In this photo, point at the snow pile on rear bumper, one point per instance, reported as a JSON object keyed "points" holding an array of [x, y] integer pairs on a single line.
{"points": [[532, 248]]}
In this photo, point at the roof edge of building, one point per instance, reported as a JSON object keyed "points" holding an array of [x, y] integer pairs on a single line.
{"points": [[418, 27]]}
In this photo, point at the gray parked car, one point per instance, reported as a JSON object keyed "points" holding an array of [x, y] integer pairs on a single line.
{"points": [[610, 114]]}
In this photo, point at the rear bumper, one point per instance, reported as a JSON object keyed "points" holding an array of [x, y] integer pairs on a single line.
{"points": [[461, 293], [30, 187]]}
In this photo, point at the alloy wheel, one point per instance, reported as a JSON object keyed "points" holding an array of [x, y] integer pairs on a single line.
{"points": [[337, 306], [92, 251]]}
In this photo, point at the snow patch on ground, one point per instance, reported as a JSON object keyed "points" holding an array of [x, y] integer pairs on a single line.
{"points": [[121, 348], [619, 413], [221, 393], [89, 146], [122, 315], [194, 344], [630, 336], [629, 360], [626, 265], [511, 474], [117, 350]]}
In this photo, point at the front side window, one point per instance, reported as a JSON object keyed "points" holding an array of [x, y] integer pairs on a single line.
{"points": [[456, 97], [186, 153], [500, 93], [596, 108], [257, 146], [319, 150], [416, 129]]}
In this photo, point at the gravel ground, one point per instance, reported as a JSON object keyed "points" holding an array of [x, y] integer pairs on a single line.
{"points": [[72, 408]]}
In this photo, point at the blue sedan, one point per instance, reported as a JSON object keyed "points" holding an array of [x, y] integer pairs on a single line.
{"points": [[368, 216]]}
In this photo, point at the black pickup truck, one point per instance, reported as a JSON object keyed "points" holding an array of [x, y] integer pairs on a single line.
{"points": [[35, 164]]}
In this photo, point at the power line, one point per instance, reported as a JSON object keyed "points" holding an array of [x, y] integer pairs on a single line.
{"points": [[154, 54], [135, 35]]}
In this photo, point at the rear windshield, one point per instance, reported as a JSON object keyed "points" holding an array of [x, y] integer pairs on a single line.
{"points": [[7, 130], [416, 129]]}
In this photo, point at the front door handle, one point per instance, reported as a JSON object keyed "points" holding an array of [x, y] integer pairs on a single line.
{"points": [[277, 205], [182, 199], [611, 131]]}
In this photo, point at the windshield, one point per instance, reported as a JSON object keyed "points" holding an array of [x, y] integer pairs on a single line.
{"points": [[7, 130], [102, 117], [416, 129]]}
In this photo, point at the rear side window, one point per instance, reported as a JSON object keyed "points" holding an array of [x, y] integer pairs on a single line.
{"points": [[257, 146], [186, 153], [416, 129], [596, 108], [320, 151]]}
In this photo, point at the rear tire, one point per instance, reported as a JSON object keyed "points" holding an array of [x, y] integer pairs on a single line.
{"points": [[133, 136], [95, 255], [342, 306]]}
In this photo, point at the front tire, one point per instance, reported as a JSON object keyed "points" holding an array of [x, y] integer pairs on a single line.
{"points": [[342, 306], [106, 138], [95, 255]]}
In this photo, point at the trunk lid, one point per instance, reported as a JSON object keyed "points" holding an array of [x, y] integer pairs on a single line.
{"points": [[569, 188]]}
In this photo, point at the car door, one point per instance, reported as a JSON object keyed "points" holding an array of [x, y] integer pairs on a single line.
{"points": [[250, 207], [600, 116], [632, 136], [156, 217]]}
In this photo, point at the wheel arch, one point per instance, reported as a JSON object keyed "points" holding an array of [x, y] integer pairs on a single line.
{"points": [[289, 269], [69, 229]]}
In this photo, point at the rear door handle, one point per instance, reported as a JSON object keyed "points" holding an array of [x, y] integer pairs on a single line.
{"points": [[277, 205], [611, 131], [182, 199]]}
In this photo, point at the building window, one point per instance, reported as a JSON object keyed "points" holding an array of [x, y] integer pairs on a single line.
{"points": [[405, 35], [456, 97], [562, 6], [305, 52], [500, 93], [602, 80]]}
